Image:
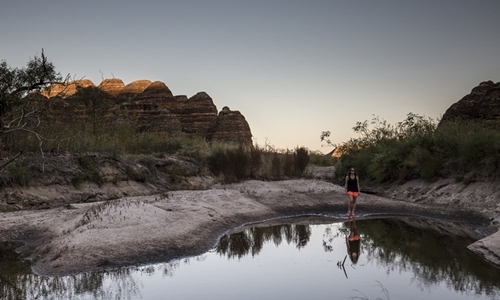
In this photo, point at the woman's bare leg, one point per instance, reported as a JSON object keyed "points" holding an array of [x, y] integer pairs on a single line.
{"points": [[349, 203], [353, 203]]}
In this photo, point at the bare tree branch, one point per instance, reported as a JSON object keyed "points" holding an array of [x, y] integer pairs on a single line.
{"points": [[20, 110], [11, 160]]}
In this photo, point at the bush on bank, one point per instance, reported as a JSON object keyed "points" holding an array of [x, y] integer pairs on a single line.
{"points": [[418, 148], [233, 165], [229, 162]]}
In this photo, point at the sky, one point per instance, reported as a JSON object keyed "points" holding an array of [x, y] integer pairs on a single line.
{"points": [[292, 68]]}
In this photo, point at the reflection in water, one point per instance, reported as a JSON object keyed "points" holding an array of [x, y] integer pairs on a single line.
{"points": [[353, 242], [433, 257], [104, 285], [391, 246], [117, 284], [252, 240]]}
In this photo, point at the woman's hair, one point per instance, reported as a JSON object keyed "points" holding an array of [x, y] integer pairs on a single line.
{"points": [[354, 257], [349, 172]]}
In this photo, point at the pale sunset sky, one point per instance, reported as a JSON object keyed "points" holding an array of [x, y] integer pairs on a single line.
{"points": [[292, 68]]}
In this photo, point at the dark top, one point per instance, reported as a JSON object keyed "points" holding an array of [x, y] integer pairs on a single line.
{"points": [[354, 245], [352, 184]]}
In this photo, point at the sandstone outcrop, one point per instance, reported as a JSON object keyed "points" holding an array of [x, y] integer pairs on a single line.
{"points": [[134, 88], [482, 104], [112, 86], [230, 122], [66, 90], [147, 106], [197, 114]]}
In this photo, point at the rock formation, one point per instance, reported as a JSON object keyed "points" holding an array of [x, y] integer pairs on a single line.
{"points": [[197, 114], [147, 106], [66, 90], [112, 86], [228, 123], [134, 88], [482, 104]]}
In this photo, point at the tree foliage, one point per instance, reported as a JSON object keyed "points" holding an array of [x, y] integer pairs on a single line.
{"points": [[378, 131], [18, 111], [417, 148]]}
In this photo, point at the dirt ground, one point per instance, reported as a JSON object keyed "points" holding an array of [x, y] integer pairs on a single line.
{"points": [[146, 229]]}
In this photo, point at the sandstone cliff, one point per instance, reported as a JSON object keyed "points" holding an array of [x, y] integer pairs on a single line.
{"points": [[482, 104], [230, 122], [147, 106]]}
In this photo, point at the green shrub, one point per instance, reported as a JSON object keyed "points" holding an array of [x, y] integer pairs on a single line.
{"points": [[231, 164], [301, 160], [276, 171], [255, 161], [130, 172], [427, 163], [288, 164], [77, 181], [476, 147], [479, 146], [235, 164], [90, 168], [416, 148], [19, 172], [319, 159]]}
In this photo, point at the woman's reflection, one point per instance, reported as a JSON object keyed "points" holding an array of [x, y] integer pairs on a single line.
{"points": [[353, 241]]}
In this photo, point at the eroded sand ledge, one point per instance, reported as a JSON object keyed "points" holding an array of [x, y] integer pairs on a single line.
{"points": [[139, 230]]}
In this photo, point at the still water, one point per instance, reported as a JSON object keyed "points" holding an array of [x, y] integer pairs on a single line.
{"points": [[306, 259]]}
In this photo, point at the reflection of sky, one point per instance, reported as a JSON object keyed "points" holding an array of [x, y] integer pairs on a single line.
{"points": [[261, 277], [286, 272]]}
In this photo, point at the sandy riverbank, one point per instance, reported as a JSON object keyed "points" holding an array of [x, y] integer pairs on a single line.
{"points": [[138, 230]]}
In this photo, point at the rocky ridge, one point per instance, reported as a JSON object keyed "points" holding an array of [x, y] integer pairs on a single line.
{"points": [[482, 104], [147, 106]]}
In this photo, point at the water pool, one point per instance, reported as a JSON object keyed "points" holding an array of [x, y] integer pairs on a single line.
{"points": [[399, 258]]}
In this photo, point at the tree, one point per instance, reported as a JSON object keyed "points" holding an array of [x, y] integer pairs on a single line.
{"points": [[18, 112]]}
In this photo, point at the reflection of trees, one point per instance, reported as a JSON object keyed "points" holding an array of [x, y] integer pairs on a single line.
{"points": [[10, 266], [431, 256], [17, 281], [252, 240], [330, 234], [118, 284]]}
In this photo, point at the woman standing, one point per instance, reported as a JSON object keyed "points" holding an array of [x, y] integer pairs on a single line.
{"points": [[352, 189]]}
